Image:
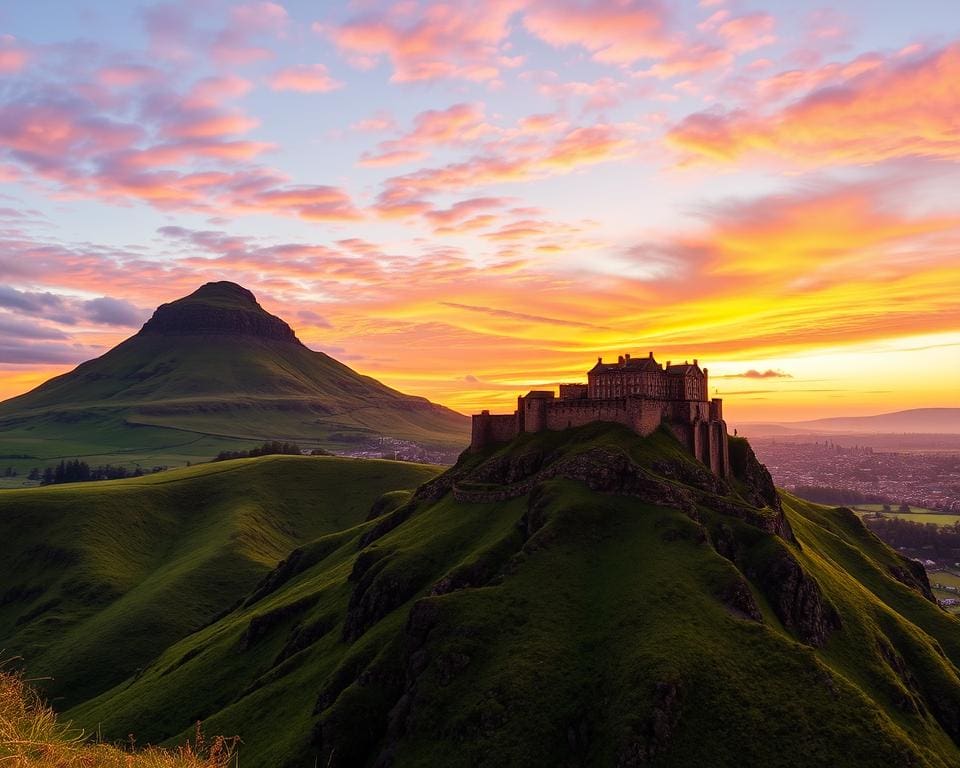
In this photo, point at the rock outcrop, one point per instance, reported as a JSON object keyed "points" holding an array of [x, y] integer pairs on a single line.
{"points": [[218, 309]]}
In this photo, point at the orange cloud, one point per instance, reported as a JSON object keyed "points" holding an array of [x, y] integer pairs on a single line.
{"points": [[910, 106]]}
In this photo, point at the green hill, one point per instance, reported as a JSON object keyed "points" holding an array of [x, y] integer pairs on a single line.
{"points": [[587, 597], [99, 578], [209, 372]]}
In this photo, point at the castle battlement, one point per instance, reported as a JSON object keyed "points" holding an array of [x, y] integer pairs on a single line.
{"points": [[639, 393]]}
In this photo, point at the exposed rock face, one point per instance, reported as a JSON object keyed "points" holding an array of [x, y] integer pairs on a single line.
{"points": [[797, 599], [671, 484], [747, 468], [914, 575], [218, 309], [657, 730]]}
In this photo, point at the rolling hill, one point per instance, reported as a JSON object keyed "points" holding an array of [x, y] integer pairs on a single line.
{"points": [[587, 597], [98, 578], [209, 372]]}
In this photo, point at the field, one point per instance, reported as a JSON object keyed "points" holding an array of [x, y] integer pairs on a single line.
{"points": [[916, 514], [945, 577]]}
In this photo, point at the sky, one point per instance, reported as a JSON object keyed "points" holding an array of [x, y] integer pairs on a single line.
{"points": [[468, 200]]}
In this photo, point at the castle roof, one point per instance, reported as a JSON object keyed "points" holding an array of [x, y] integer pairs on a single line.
{"points": [[629, 363], [684, 369], [641, 364]]}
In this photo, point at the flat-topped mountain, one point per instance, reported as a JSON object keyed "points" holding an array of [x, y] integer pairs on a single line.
{"points": [[210, 371], [218, 309]]}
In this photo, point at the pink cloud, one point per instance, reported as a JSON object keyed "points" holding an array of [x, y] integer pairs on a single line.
{"points": [[206, 124], [909, 104], [603, 93], [315, 79], [614, 33], [169, 31], [235, 45], [126, 76], [436, 40], [507, 161], [456, 125], [386, 158], [13, 57], [310, 202], [211, 92], [379, 122], [749, 32]]}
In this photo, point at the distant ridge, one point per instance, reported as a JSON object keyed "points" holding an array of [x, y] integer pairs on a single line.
{"points": [[212, 371], [944, 421]]}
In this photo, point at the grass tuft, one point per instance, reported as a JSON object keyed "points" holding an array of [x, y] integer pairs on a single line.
{"points": [[31, 736]]}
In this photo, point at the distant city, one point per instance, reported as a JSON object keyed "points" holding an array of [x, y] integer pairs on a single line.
{"points": [[924, 478]]}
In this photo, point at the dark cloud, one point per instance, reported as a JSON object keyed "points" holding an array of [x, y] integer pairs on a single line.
{"points": [[12, 327], [46, 304], [109, 311], [14, 351]]}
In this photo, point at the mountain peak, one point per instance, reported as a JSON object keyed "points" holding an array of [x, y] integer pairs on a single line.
{"points": [[218, 308], [224, 291]]}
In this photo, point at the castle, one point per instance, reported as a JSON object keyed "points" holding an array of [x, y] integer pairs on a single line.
{"points": [[637, 392]]}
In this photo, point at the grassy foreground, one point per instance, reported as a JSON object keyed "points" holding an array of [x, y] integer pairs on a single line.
{"points": [[32, 736]]}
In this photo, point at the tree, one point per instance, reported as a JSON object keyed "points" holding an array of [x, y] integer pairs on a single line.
{"points": [[904, 508], [886, 508], [34, 474]]}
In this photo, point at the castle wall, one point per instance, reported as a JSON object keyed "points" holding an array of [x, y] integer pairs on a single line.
{"points": [[534, 414], [563, 414], [686, 434], [716, 409], [573, 391], [719, 449], [489, 429], [647, 415]]}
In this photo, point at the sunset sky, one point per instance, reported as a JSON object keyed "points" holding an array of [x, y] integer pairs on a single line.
{"points": [[469, 199]]}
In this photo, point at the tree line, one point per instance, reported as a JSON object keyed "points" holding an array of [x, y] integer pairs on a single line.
{"points": [[78, 471], [938, 542], [270, 448]]}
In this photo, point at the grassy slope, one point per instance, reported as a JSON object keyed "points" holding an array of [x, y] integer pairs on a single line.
{"points": [[602, 633], [102, 577]]}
